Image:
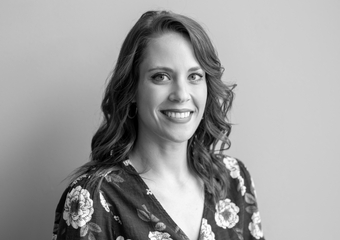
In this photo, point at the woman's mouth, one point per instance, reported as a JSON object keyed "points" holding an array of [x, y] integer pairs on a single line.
{"points": [[177, 115]]}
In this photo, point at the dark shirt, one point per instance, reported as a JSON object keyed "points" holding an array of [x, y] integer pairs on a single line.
{"points": [[120, 206]]}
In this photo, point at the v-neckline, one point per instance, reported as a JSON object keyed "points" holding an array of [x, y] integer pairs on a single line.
{"points": [[128, 164]]}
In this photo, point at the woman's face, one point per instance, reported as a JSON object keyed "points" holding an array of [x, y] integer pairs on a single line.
{"points": [[172, 90]]}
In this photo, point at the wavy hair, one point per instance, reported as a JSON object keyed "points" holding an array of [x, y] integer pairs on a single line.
{"points": [[117, 134]]}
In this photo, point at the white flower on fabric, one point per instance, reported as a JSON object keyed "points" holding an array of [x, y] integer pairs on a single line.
{"points": [[121, 238], [78, 208], [127, 162], [256, 217], [159, 236], [206, 232], [242, 188], [103, 202], [226, 214], [148, 192], [117, 219], [255, 226], [232, 165]]}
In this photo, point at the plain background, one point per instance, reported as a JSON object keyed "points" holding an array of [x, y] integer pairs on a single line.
{"points": [[284, 55]]}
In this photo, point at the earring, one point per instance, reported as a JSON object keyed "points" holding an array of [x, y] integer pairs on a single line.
{"points": [[131, 117]]}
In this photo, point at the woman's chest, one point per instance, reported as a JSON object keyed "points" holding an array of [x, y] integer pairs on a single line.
{"points": [[184, 208]]}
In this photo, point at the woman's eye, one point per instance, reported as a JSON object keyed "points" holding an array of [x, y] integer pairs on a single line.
{"points": [[160, 77], [195, 77]]}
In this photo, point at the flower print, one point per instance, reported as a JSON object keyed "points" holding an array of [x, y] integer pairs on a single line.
{"points": [[226, 214], [241, 186], [255, 226], [79, 178], [114, 178], [127, 162], [103, 202], [159, 236], [148, 192], [146, 215], [118, 219], [54, 237], [78, 208], [104, 174], [232, 165], [121, 238], [206, 232]]}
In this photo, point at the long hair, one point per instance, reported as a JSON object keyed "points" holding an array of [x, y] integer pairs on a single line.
{"points": [[117, 134]]}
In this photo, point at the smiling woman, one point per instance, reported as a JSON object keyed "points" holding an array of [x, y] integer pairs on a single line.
{"points": [[155, 171]]}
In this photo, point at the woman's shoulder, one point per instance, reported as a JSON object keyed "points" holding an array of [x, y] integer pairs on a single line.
{"points": [[85, 204], [234, 165], [81, 187], [238, 173], [94, 181], [94, 178]]}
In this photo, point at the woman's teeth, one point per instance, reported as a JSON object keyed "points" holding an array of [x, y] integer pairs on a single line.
{"points": [[177, 114]]}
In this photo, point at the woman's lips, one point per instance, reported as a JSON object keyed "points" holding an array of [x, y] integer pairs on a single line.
{"points": [[178, 114]]}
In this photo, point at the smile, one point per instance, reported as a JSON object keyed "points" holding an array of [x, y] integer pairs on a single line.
{"points": [[178, 115]]}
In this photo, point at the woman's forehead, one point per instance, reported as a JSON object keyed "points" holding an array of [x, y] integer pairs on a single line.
{"points": [[169, 50]]}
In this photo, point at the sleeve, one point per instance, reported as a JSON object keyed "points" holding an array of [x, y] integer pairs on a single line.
{"points": [[252, 226], [82, 213]]}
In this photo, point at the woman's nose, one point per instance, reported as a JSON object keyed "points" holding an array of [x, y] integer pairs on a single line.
{"points": [[180, 92]]}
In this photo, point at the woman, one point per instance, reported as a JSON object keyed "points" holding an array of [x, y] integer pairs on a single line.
{"points": [[156, 172]]}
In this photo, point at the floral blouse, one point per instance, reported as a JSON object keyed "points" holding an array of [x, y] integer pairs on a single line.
{"points": [[123, 208]]}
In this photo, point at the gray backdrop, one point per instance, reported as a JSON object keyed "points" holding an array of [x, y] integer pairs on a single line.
{"points": [[283, 54]]}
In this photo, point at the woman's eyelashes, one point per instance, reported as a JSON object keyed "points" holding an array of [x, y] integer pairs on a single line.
{"points": [[163, 77], [160, 77], [195, 77]]}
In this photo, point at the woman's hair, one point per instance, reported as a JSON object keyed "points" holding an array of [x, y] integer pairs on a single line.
{"points": [[117, 134]]}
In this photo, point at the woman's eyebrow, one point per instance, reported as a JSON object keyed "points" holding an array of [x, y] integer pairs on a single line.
{"points": [[161, 68], [193, 69], [167, 69]]}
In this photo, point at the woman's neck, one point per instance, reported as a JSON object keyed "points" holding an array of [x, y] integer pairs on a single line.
{"points": [[162, 160]]}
